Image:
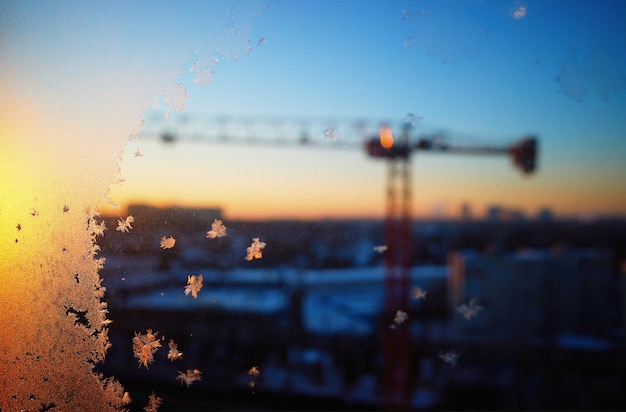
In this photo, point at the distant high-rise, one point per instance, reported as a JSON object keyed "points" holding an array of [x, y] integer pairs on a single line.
{"points": [[175, 216], [534, 294], [545, 215], [466, 212], [516, 215], [494, 213]]}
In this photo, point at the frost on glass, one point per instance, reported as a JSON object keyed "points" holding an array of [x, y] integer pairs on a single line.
{"points": [[419, 293], [445, 29], [145, 346], [217, 230], [519, 10], [194, 284], [255, 250], [75, 80], [469, 310], [167, 242], [174, 353], [189, 377], [596, 69], [450, 357]]}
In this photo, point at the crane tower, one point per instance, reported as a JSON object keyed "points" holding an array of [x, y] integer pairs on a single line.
{"points": [[397, 382]]}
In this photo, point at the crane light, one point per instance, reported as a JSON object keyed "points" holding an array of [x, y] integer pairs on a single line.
{"points": [[385, 136]]}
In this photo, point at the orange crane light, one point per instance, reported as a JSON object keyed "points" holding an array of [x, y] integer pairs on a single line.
{"points": [[385, 136]]}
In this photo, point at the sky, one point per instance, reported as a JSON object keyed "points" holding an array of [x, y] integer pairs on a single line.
{"points": [[477, 70]]}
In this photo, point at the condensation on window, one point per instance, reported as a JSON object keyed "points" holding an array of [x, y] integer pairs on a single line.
{"points": [[66, 114], [446, 30], [593, 70]]}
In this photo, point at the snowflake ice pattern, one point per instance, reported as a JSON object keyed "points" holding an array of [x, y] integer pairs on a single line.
{"points": [[412, 119], [96, 229], [167, 242], [419, 293], [519, 11], [255, 250], [330, 132], [194, 284], [125, 225], [400, 317], [217, 230], [145, 346], [380, 248], [173, 354], [450, 357], [154, 402], [469, 310], [189, 377]]}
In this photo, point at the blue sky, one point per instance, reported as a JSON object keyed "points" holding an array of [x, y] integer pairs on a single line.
{"points": [[471, 68]]}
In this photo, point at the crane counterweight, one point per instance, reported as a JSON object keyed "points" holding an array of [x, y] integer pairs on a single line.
{"points": [[523, 153]]}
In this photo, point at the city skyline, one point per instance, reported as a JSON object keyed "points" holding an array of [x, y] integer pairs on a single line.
{"points": [[464, 212]]}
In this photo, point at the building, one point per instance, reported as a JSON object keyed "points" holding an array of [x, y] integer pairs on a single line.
{"points": [[533, 295]]}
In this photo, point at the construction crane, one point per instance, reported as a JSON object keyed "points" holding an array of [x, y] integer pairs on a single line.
{"points": [[397, 382], [396, 379]]}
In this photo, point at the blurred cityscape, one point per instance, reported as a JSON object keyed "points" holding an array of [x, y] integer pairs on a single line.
{"points": [[309, 314]]}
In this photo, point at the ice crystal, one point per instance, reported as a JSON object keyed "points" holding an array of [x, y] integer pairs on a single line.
{"points": [[125, 225], [380, 248], [189, 377], [145, 346], [175, 95], [419, 293], [412, 119], [153, 403], [400, 317], [450, 357], [519, 11], [173, 354], [167, 242], [330, 132], [255, 250], [204, 73], [469, 310], [217, 230], [194, 284], [97, 229], [253, 372]]}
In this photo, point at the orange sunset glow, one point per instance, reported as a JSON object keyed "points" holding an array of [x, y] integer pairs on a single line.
{"points": [[261, 183]]}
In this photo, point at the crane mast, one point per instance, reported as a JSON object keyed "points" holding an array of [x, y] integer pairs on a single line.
{"points": [[397, 379], [396, 383]]}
